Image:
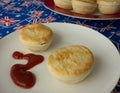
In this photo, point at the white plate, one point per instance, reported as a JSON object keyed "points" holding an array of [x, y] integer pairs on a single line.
{"points": [[102, 80]]}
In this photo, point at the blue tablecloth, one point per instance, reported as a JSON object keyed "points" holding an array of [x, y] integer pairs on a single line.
{"points": [[15, 14]]}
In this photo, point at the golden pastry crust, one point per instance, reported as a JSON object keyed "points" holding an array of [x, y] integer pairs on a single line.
{"points": [[87, 1], [36, 33], [65, 4], [70, 61], [109, 1]]}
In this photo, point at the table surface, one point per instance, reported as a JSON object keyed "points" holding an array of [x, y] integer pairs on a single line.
{"points": [[15, 14]]}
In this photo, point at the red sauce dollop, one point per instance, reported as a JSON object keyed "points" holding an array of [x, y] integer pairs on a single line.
{"points": [[19, 72]]}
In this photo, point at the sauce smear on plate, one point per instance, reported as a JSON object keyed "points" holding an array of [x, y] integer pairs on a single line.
{"points": [[19, 72]]}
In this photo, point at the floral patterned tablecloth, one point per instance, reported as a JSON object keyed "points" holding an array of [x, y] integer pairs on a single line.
{"points": [[15, 14]]}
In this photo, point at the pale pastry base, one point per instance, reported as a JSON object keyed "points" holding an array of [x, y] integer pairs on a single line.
{"points": [[83, 7], [74, 79], [65, 4], [37, 47], [109, 9]]}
